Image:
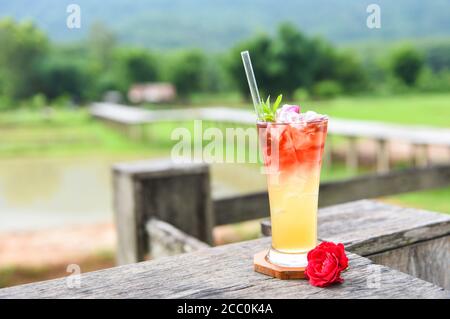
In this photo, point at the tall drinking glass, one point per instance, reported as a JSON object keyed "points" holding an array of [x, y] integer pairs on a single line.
{"points": [[292, 156]]}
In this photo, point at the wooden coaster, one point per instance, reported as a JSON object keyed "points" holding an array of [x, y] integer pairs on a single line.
{"points": [[263, 266]]}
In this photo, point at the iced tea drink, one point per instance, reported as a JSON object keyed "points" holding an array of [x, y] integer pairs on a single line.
{"points": [[292, 154]]}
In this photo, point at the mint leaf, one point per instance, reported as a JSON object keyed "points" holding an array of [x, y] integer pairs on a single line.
{"points": [[277, 103], [268, 112]]}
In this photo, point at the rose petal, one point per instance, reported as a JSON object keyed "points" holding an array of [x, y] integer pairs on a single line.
{"points": [[325, 263]]}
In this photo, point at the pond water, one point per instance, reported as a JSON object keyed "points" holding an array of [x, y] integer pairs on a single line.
{"points": [[43, 193]]}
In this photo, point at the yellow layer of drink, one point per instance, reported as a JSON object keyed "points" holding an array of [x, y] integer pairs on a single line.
{"points": [[293, 210]]}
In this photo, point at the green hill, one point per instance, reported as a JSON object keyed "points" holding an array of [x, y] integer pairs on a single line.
{"points": [[218, 24]]}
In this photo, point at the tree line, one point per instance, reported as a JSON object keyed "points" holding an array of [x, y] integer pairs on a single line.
{"points": [[288, 62]]}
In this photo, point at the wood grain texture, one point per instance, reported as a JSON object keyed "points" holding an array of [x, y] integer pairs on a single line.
{"points": [[410, 240], [263, 266], [226, 272], [182, 201], [239, 208], [377, 185], [428, 260], [167, 240], [129, 245], [232, 209], [367, 227], [180, 194], [175, 193]]}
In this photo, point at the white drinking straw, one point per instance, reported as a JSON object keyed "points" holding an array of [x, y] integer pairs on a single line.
{"points": [[251, 82]]}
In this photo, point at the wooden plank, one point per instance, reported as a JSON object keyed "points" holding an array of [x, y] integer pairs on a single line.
{"points": [[410, 240], [368, 227], [161, 189], [167, 240], [118, 113], [382, 156], [420, 155], [387, 131], [377, 185], [428, 260], [129, 248], [351, 158], [406, 239], [238, 208], [232, 209], [158, 168], [226, 272]]}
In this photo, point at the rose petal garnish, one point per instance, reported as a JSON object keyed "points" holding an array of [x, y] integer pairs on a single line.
{"points": [[290, 108], [288, 114]]}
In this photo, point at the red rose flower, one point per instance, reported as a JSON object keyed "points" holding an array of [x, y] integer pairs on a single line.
{"points": [[325, 264]]}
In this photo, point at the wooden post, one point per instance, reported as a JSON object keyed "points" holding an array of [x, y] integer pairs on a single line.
{"points": [[352, 154], [382, 156], [132, 132], [178, 194], [148, 132], [124, 202], [420, 155], [327, 156]]}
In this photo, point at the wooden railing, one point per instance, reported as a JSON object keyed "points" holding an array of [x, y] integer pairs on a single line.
{"points": [[163, 208], [394, 252], [132, 121], [180, 194], [228, 210]]}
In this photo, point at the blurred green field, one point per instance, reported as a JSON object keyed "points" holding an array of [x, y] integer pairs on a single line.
{"points": [[420, 109], [32, 133], [431, 109]]}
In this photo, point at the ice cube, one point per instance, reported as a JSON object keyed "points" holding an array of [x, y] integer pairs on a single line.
{"points": [[311, 116], [298, 118], [288, 117]]}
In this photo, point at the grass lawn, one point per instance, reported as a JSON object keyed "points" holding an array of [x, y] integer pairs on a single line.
{"points": [[424, 109], [64, 133], [437, 200], [412, 109]]}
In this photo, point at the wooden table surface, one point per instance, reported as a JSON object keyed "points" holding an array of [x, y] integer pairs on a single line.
{"points": [[226, 272]]}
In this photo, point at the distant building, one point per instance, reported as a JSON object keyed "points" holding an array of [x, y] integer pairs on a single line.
{"points": [[112, 97], [152, 92]]}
